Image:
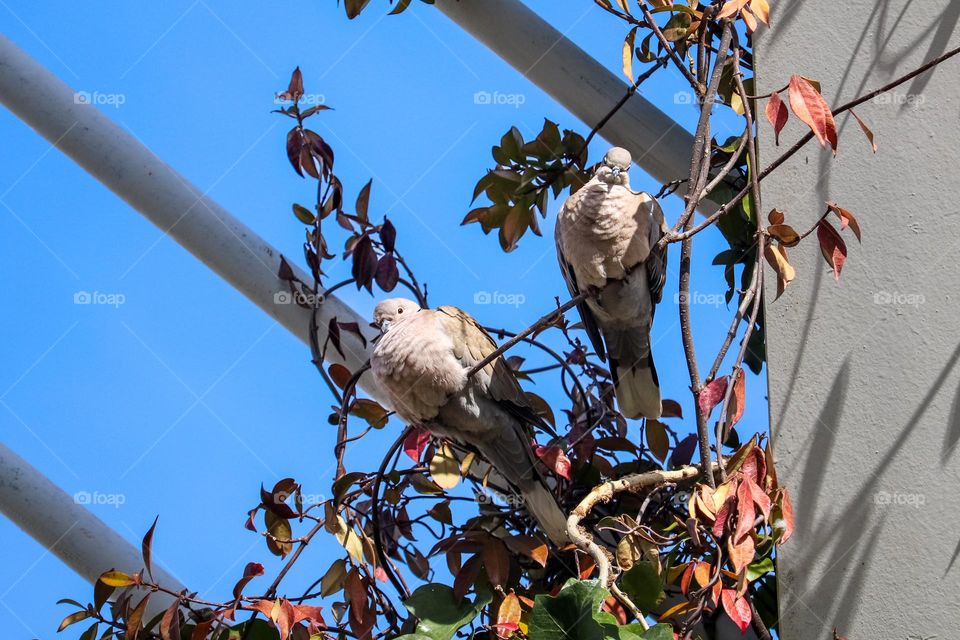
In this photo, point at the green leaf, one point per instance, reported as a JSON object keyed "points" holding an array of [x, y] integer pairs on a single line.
{"points": [[677, 27], [658, 632], [759, 569], [642, 584], [439, 612], [572, 614]]}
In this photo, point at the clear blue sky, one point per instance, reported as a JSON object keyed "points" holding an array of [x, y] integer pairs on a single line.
{"points": [[104, 399]]}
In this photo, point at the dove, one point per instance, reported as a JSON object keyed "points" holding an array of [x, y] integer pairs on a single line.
{"points": [[606, 236], [422, 358]]}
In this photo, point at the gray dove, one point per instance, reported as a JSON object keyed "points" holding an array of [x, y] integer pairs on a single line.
{"points": [[606, 238], [422, 358]]}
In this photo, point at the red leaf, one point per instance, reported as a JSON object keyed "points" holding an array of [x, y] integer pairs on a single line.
{"points": [[809, 106], [251, 571], [387, 275], [496, 561], [754, 465], [671, 409], [723, 514], [712, 394], [738, 609], [415, 442], [147, 548], [294, 143], [761, 499], [777, 114], [555, 459], [832, 246], [308, 612], [746, 513]]}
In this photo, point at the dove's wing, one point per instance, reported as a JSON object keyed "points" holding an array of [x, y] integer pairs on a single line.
{"points": [[471, 344], [656, 261], [586, 315]]}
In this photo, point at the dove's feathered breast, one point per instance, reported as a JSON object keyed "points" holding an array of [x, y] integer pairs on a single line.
{"points": [[415, 361], [597, 238]]}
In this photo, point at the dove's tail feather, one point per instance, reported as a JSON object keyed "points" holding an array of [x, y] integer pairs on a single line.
{"points": [[508, 450], [634, 374], [543, 507]]}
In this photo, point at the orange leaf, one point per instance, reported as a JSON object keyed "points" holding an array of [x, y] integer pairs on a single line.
{"points": [[809, 106], [731, 8], [741, 553], [786, 509], [761, 9], [832, 246], [780, 261], [866, 130], [530, 547], [777, 114], [508, 616], [702, 573], [739, 399], [738, 609], [847, 219]]}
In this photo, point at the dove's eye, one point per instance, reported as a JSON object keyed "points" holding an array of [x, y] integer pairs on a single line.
{"points": [[400, 310]]}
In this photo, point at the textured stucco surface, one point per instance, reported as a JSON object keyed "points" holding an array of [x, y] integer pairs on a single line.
{"points": [[864, 374]]}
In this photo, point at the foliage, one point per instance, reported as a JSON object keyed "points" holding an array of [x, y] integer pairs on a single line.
{"points": [[657, 539]]}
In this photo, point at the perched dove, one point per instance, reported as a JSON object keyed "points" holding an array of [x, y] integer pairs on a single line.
{"points": [[606, 239], [422, 358]]}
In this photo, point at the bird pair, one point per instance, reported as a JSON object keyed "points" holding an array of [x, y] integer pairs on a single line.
{"points": [[606, 238]]}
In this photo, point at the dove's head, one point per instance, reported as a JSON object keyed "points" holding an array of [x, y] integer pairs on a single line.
{"points": [[615, 167], [392, 311]]}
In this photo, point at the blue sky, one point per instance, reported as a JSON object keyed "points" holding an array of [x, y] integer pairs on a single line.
{"points": [[184, 398]]}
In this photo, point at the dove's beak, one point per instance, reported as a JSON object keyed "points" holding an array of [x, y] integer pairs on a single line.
{"points": [[616, 171]]}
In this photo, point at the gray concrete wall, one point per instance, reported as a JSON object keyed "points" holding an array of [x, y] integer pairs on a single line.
{"points": [[864, 375]]}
